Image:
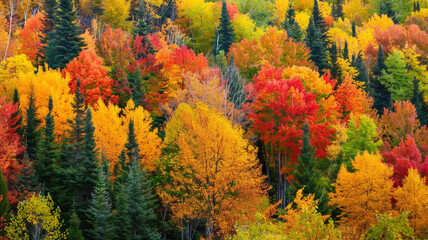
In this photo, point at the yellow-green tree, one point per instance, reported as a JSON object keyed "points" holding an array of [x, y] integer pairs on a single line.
{"points": [[36, 218], [413, 197], [362, 193], [116, 13], [211, 171]]}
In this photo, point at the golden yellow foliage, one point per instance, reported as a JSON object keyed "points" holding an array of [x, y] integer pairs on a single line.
{"points": [[382, 22], [302, 18], [363, 193], [10, 69], [356, 11], [116, 13], [108, 124], [36, 216], [413, 197], [281, 7], [213, 174], [335, 148], [243, 27]]}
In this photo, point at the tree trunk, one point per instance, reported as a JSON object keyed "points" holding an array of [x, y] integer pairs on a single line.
{"points": [[10, 27]]}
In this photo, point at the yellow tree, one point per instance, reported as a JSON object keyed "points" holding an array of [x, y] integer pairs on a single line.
{"points": [[413, 197], [362, 193], [108, 123], [116, 13], [10, 69], [36, 218], [211, 171]]}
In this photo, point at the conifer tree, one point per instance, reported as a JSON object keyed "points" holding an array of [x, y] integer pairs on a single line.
{"points": [[345, 53], [143, 27], [354, 29], [296, 32], [386, 8], [4, 200], [100, 214], [334, 67], [419, 103], [337, 9], [418, 7], [290, 18], [121, 219], [316, 46], [74, 232], [358, 63], [97, 8], [225, 35], [382, 97], [141, 202], [18, 125], [48, 9], [31, 131], [65, 42], [320, 24], [132, 144], [414, 6], [136, 84], [47, 156]]}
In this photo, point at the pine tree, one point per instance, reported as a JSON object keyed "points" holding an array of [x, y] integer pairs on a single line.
{"points": [[414, 6], [334, 67], [418, 7], [31, 130], [419, 103], [291, 15], [74, 232], [386, 8], [320, 24], [354, 29], [18, 125], [132, 144], [362, 71], [225, 34], [382, 97], [121, 219], [143, 28], [65, 42], [100, 214], [97, 8], [337, 9], [296, 33], [345, 53], [48, 9], [141, 202], [136, 84], [316, 46], [4, 200], [47, 156]]}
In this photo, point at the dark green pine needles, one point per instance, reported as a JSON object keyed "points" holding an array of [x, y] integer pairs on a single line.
{"points": [[225, 35]]}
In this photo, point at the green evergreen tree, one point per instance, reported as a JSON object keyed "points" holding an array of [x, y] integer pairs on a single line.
{"points": [[345, 53], [74, 232], [358, 63], [382, 97], [143, 28], [320, 24], [31, 130], [121, 219], [136, 84], [4, 201], [97, 8], [100, 214], [334, 67], [49, 8], [418, 7], [414, 6], [47, 155], [386, 8], [296, 32], [141, 202], [316, 46], [396, 79], [420, 104], [289, 18], [18, 125], [337, 9], [225, 35], [354, 29], [132, 144], [65, 42]]}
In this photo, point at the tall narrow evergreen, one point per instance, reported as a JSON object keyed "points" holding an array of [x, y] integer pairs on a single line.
{"points": [[296, 32], [386, 8], [74, 232], [18, 125], [136, 84], [65, 42], [320, 23], [141, 201], [418, 7], [345, 53], [47, 155], [354, 29], [31, 132], [100, 214], [419, 103], [414, 6], [132, 144], [48, 9], [290, 18], [381, 95], [316, 46], [337, 9], [225, 34], [143, 27], [362, 71], [4, 200], [334, 67], [121, 219]]}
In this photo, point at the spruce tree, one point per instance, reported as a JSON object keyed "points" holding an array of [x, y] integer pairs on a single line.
{"points": [[97, 8], [18, 125], [4, 200], [121, 219], [132, 144], [418, 7], [320, 24], [296, 32], [414, 6], [334, 67], [345, 53], [337, 9], [386, 8], [47, 156], [100, 214], [31, 132], [225, 34], [136, 84], [141, 202], [358, 63], [354, 29], [382, 97], [65, 42], [317, 50], [143, 28], [419, 103], [291, 15], [48, 9], [74, 232]]}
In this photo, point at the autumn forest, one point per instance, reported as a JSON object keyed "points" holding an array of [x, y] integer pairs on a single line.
{"points": [[213, 119]]}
